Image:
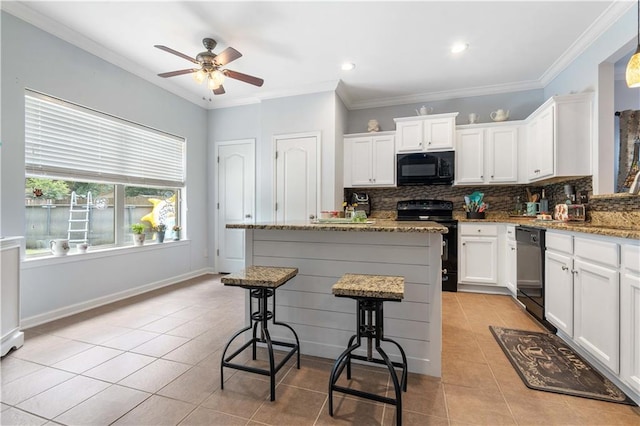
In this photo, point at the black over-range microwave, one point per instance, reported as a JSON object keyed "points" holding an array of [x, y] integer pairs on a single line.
{"points": [[426, 168]]}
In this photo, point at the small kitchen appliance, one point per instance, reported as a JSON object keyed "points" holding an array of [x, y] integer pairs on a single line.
{"points": [[362, 201], [425, 168], [439, 211]]}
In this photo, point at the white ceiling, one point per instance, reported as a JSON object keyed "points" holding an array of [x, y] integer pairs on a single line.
{"points": [[401, 49]]}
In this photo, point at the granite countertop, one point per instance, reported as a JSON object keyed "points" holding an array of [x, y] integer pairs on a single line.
{"points": [[377, 225], [619, 228], [260, 276], [375, 286]]}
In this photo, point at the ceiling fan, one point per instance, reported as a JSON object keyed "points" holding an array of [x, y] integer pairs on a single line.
{"points": [[211, 66]]}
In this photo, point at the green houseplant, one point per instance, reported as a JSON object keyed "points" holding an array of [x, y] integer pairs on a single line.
{"points": [[138, 234]]}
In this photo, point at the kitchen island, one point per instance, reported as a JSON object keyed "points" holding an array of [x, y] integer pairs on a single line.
{"points": [[324, 252]]}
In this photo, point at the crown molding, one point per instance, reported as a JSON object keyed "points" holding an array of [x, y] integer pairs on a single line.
{"points": [[614, 12]]}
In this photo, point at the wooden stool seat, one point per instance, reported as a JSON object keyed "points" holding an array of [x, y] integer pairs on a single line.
{"points": [[370, 291], [262, 282]]}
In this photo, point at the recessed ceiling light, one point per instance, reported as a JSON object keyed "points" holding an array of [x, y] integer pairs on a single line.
{"points": [[348, 66], [459, 47]]}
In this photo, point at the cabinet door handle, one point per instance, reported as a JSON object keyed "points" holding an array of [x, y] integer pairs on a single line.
{"points": [[429, 142], [479, 230], [513, 248], [573, 271], [481, 176], [491, 176], [565, 268], [464, 244]]}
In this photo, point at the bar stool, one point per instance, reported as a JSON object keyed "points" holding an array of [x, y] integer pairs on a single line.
{"points": [[262, 282], [370, 291]]}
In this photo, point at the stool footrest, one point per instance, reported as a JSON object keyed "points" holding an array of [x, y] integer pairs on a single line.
{"points": [[227, 361], [378, 361]]}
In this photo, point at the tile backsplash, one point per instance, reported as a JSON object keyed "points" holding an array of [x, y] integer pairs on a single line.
{"points": [[499, 197]]}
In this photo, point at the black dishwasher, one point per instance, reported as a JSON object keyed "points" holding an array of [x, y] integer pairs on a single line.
{"points": [[530, 265]]}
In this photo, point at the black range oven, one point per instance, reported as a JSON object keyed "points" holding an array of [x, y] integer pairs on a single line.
{"points": [[440, 211]]}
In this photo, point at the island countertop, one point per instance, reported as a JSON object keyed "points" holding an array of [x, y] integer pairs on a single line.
{"points": [[376, 225]]}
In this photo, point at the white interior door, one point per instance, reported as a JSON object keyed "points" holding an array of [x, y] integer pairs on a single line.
{"points": [[235, 200], [297, 176]]}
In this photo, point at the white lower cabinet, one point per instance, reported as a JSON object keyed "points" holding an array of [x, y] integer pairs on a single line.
{"points": [[596, 292], [582, 293], [559, 290], [630, 316], [478, 254]]}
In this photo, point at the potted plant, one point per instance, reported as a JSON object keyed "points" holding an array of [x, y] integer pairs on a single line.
{"points": [[138, 234], [176, 232], [160, 229]]}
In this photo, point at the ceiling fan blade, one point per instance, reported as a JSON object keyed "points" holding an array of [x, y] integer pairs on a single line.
{"points": [[179, 72], [227, 55], [219, 90], [175, 52], [244, 77]]}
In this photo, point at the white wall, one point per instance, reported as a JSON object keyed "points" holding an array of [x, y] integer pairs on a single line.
{"points": [[34, 59], [520, 105], [295, 114]]}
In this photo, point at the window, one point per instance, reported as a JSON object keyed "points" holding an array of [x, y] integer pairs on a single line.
{"points": [[89, 176]]}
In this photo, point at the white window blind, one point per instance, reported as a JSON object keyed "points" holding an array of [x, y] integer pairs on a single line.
{"points": [[67, 141]]}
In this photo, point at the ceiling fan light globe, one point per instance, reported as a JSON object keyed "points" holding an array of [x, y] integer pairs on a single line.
{"points": [[218, 77], [199, 76]]}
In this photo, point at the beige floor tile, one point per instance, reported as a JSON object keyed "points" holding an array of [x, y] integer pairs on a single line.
{"points": [[32, 384], [164, 324], [191, 329], [365, 379], [471, 405], [103, 408], [60, 398], [293, 406], [541, 412], [202, 416], [578, 403], [88, 359], [241, 396], [154, 376], [119, 367], [424, 395], [13, 416], [312, 375], [469, 374], [12, 368], [410, 418], [192, 352], [605, 417], [156, 411], [189, 313], [194, 386], [51, 354], [130, 340], [161, 345]]}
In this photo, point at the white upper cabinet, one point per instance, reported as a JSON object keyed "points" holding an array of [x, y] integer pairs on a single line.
{"points": [[369, 160], [487, 154], [426, 133], [560, 138]]}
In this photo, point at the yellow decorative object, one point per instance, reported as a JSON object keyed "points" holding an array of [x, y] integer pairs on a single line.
{"points": [[163, 212]]}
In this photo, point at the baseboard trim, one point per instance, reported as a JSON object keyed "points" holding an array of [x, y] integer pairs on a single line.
{"points": [[104, 300]]}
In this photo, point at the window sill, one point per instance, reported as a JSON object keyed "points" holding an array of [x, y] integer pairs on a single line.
{"points": [[74, 256]]}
